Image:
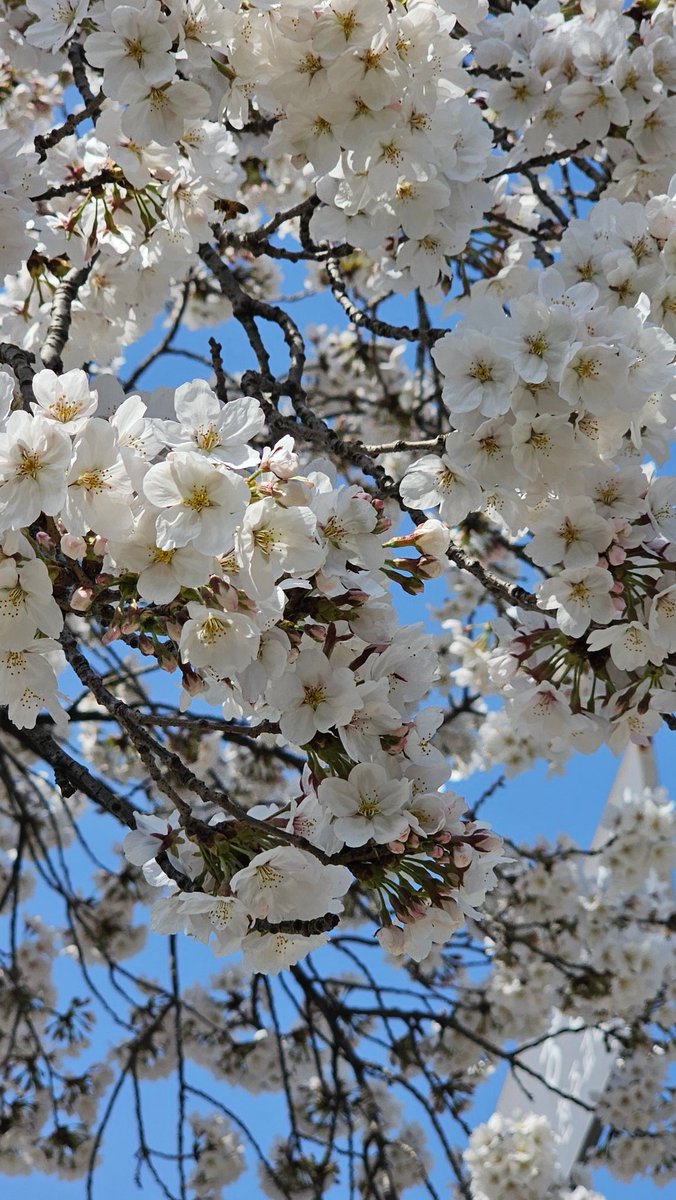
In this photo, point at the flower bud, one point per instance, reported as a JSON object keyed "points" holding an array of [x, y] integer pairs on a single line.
{"points": [[432, 538], [168, 661], [281, 459], [81, 599], [73, 546], [462, 857], [392, 939], [616, 555], [131, 620], [430, 568], [146, 645], [225, 593], [486, 842], [193, 683], [316, 632]]}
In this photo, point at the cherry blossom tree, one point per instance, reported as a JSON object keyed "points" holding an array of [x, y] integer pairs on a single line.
{"points": [[219, 731]]}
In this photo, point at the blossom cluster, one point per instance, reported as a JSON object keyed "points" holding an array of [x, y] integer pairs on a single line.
{"points": [[132, 198], [263, 586], [561, 81], [516, 1157], [571, 910], [557, 397]]}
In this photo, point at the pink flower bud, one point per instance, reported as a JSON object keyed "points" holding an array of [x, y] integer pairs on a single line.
{"points": [[616, 555], [100, 544], [316, 632], [461, 856], [281, 460], [487, 842], [430, 568], [193, 683], [392, 939], [73, 546], [81, 599], [225, 592], [43, 539], [396, 847]]}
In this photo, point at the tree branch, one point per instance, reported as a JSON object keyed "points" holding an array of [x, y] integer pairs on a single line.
{"points": [[61, 315], [21, 362]]}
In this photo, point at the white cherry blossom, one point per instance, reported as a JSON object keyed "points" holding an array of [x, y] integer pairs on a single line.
{"points": [[64, 399], [225, 641], [630, 645], [434, 482], [200, 504], [161, 573], [574, 536], [288, 883], [34, 460], [220, 432], [99, 491], [368, 804], [579, 595], [26, 604], [272, 539], [136, 46], [314, 698]]}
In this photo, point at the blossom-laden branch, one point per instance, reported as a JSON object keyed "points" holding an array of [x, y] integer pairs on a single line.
{"points": [[166, 769]]}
